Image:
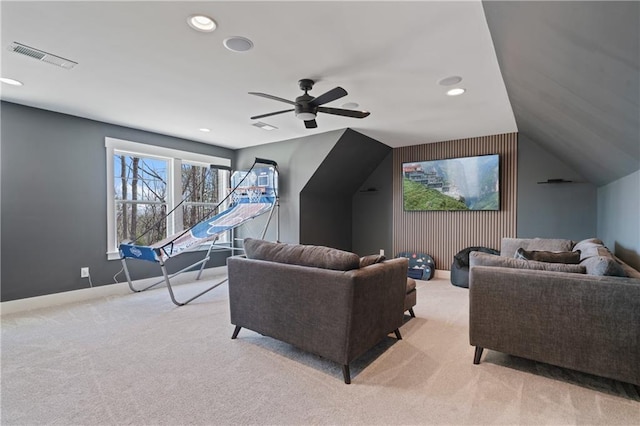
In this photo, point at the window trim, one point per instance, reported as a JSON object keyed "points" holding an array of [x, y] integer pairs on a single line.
{"points": [[174, 157]]}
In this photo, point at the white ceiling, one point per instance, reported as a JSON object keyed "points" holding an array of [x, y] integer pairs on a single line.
{"points": [[141, 66]]}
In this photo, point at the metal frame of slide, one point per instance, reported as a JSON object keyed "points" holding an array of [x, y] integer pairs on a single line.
{"points": [[160, 252]]}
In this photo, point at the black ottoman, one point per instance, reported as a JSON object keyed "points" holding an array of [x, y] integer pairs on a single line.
{"points": [[460, 265]]}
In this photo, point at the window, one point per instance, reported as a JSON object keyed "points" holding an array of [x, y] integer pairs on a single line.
{"points": [[200, 192], [140, 186], [146, 184]]}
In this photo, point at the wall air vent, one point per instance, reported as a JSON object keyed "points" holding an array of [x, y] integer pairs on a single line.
{"points": [[41, 55]]}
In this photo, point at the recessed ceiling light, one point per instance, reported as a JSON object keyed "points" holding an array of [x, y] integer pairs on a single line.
{"points": [[202, 23], [264, 126], [456, 92], [238, 44], [205, 130], [450, 81], [10, 81], [350, 105]]}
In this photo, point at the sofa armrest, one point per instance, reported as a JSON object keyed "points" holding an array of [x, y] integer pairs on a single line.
{"points": [[378, 303], [583, 322]]}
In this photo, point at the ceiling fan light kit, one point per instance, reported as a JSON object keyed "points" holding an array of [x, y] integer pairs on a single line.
{"points": [[307, 107], [305, 116]]}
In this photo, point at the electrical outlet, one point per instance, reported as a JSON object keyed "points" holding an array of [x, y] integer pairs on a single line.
{"points": [[84, 272], [381, 252]]}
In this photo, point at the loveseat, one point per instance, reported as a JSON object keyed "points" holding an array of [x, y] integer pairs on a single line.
{"points": [[583, 316], [317, 298]]}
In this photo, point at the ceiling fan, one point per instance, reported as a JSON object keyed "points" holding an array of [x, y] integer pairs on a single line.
{"points": [[307, 107]]}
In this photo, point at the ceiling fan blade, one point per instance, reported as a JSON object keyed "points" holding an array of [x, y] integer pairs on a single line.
{"points": [[275, 98], [331, 95], [310, 124], [344, 112], [255, 117]]}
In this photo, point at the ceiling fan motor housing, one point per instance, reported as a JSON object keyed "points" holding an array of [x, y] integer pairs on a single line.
{"points": [[303, 109]]}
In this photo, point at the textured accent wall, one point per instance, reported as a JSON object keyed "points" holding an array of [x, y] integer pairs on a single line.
{"points": [[442, 234]]}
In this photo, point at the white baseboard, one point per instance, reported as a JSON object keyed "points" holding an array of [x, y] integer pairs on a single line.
{"points": [[57, 299], [119, 289], [441, 273]]}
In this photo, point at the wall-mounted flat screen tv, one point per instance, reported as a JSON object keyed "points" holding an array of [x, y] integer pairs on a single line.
{"points": [[465, 183]]}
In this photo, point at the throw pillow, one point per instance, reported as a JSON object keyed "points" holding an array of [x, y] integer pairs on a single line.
{"points": [[588, 243], [303, 255], [567, 257], [601, 265], [371, 259], [482, 259]]}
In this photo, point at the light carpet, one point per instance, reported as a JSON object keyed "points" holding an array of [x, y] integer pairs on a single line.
{"points": [[137, 359]]}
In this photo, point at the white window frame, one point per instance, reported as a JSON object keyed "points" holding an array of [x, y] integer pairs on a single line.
{"points": [[175, 158]]}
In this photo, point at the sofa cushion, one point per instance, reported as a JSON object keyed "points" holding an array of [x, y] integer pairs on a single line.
{"points": [[303, 255], [483, 259], [411, 284], [569, 257], [371, 259], [603, 265], [509, 246]]}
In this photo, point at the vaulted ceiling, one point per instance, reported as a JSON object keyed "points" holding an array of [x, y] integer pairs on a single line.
{"points": [[563, 73], [572, 71]]}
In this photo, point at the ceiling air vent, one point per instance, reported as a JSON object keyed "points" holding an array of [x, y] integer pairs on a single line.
{"points": [[41, 55]]}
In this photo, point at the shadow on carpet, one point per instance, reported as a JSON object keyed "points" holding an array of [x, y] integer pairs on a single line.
{"points": [[601, 384]]}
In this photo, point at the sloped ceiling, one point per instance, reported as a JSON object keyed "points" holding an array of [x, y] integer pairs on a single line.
{"points": [[356, 156], [573, 78]]}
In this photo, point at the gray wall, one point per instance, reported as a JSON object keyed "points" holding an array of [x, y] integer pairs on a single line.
{"points": [[325, 220], [619, 218], [298, 159], [319, 175], [326, 213], [373, 212], [565, 210], [53, 201]]}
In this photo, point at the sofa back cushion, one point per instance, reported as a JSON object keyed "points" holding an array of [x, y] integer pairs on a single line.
{"points": [[509, 246], [371, 260], [482, 259], [303, 255]]}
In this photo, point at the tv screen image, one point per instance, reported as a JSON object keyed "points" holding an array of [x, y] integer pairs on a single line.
{"points": [[465, 183]]}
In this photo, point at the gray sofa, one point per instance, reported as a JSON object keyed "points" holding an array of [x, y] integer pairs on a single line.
{"points": [[317, 298], [576, 316]]}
